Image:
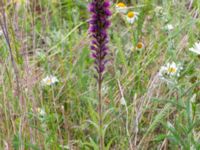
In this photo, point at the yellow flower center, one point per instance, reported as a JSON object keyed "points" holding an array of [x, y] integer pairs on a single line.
{"points": [[49, 81], [131, 14], [139, 45], [121, 5], [171, 70]]}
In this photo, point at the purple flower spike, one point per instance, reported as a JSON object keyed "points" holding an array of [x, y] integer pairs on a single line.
{"points": [[99, 24]]}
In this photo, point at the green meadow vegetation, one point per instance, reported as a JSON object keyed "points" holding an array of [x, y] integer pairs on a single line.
{"points": [[151, 85]]}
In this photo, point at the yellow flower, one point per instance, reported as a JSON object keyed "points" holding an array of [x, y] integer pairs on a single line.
{"points": [[140, 45]]}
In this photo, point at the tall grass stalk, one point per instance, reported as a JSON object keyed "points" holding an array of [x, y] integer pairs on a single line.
{"points": [[4, 28]]}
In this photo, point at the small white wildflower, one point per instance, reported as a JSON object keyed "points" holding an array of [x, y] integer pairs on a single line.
{"points": [[41, 112], [170, 69], [132, 16], [170, 125], [121, 8], [169, 27], [122, 101], [196, 48], [49, 80]]}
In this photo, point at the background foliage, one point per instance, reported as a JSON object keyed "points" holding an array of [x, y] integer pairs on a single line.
{"points": [[51, 37]]}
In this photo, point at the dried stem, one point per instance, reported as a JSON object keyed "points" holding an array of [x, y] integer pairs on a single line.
{"points": [[3, 24]]}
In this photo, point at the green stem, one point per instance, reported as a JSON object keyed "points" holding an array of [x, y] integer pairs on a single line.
{"points": [[101, 140]]}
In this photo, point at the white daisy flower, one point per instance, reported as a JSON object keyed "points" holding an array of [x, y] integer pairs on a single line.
{"points": [[49, 80], [132, 16], [196, 48], [170, 69], [121, 7]]}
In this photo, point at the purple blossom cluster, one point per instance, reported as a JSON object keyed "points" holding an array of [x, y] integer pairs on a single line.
{"points": [[99, 24]]}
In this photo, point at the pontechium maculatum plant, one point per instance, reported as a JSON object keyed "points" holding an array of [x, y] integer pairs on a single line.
{"points": [[99, 24]]}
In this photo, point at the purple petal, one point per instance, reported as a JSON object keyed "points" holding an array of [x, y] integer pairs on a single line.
{"points": [[94, 55], [106, 4], [101, 68], [93, 48], [107, 12]]}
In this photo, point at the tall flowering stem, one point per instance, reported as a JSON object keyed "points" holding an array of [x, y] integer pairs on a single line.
{"points": [[99, 24]]}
